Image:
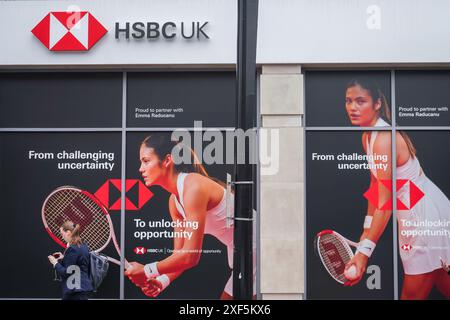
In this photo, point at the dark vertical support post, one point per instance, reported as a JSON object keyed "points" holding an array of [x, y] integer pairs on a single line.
{"points": [[244, 173]]}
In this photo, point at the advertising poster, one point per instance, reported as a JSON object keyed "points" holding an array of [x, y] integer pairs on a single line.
{"points": [[422, 98], [348, 193], [32, 166], [60, 100], [37, 165], [165, 231], [196, 247], [424, 216], [422, 203], [341, 192], [41, 161], [177, 99], [325, 95]]}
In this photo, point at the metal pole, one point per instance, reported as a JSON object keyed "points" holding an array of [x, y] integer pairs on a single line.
{"points": [[244, 175]]}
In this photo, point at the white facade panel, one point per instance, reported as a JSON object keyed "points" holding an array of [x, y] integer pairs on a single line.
{"points": [[21, 47]]}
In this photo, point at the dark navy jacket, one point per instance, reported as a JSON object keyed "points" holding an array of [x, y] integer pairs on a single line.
{"points": [[79, 256]]}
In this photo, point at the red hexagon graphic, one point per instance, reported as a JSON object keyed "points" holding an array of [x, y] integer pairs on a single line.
{"points": [[137, 189], [415, 194], [69, 31]]}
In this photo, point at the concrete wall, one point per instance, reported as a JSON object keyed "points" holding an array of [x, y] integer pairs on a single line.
{"points": [[282, 216]]}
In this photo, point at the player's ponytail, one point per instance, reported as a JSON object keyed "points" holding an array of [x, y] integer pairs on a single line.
{"points": [[163, 145], [75, 238], [194, 165]]}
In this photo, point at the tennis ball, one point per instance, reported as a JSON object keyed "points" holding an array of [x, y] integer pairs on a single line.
{"points": [[350, 273]]}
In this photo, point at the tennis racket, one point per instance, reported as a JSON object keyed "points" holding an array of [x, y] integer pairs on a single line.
{"points": [[68, 203], [334, 252]]}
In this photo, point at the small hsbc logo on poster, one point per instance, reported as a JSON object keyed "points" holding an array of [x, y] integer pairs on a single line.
{"points": [[406, 247], [69, 31], [140, 250]]}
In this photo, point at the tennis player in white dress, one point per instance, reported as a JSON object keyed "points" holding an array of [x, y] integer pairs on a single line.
{"points": [[423, 227], [195, 197]]}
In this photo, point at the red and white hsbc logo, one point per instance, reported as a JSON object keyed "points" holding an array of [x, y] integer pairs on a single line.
{"points": [[69, 31], [407, 247], [140, 250]]}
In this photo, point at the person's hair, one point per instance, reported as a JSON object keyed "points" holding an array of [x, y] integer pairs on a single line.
{"points": [[163, 145], [374, 91], [75, 238], [385, 112]]}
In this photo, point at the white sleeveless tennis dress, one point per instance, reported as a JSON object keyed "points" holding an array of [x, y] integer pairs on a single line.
{"points": [[423, 233], [215, 224]]}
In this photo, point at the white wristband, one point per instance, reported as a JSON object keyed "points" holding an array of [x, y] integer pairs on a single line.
{"points": [[367, 222], [151, 270], [165, 281], [366, 247]]}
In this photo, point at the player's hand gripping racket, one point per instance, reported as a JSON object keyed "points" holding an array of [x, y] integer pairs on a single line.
{"points": [[334, 252], [79, 206]]}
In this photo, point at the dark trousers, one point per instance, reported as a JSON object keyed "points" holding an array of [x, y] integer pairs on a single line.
{"points": [[76, 296]]}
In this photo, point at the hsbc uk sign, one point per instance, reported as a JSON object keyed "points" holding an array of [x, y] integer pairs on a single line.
{"points": [[80, 31], [167, 30]]}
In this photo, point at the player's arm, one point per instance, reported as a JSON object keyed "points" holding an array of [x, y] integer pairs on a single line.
{"points": [[380, 218], [370, 211], [154, 286], [195, 204], [370, 207], [178, 242]]}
